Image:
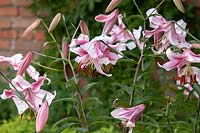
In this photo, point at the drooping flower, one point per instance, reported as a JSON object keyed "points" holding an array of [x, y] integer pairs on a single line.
{"points": [[128, 116], [177, 60], [187, 74], [32, 94], [166, 32], [42, 116]]}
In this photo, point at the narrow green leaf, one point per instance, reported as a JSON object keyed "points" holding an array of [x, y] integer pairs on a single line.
{"points": [[72, 118], [66, 99], [65, 126], [100, 122], [88, 86], [124, 88], [91, 100], [81, 129]]}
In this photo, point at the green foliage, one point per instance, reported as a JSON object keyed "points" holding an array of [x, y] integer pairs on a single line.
{"points": [[100, 93], [18, 126]]}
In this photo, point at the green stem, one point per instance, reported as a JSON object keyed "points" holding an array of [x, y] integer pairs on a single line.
{"points": [[138, 9], [47, 56], [46, 67], [135, 78], [197, 116], [167, 115]]}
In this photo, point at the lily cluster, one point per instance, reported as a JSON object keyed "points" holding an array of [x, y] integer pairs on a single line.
{"points": [[168, 34], [28, 95], [103, 51]]}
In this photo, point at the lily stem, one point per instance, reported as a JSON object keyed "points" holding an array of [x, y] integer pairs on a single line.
{"points": [[197, 116], [135, 77]]}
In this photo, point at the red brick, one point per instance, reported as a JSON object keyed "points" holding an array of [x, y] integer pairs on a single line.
{"points": [[27, 37], [25, 12], [5, 23], [8, 34], [25, 46], [8, 11], [21, 22], [5, 2], [7, 53], [22, 2], [4, 44], [39, 35]]}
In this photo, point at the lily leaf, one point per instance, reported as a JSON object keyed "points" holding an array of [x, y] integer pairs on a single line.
{"points": [[66, 99], [88, 86]]}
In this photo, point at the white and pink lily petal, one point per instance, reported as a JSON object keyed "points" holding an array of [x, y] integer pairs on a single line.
{"points": [[128, 116], [120, 32], [109, 20], [177, 60]]}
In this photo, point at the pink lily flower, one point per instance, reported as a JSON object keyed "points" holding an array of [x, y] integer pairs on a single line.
{"points": [[108, 19], [128, 116], [119, 32], [179, 60], [95, 54], [17, 62], [166, 30], [42, 116], [187, 76], [32, 92]]}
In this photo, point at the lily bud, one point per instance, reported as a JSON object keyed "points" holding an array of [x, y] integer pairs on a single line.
{"points": [[42, 116], [65, 49], [54, 22], [179, 5], [84, 28], [31, 27], [112, 5], [25, 63]]}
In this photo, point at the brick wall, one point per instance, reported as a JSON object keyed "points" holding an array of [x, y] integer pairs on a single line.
{"points": [[14, 18]]}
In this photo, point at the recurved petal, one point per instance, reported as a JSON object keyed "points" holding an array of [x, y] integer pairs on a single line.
{"points": [[20, 83]]}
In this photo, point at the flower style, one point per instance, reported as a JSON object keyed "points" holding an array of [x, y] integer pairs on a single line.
{"points": [[17, 61], [32, 94], [166, 32], [128, 116]]}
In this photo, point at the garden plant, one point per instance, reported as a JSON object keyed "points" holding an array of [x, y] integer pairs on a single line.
{"points": [[142, 79]]}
